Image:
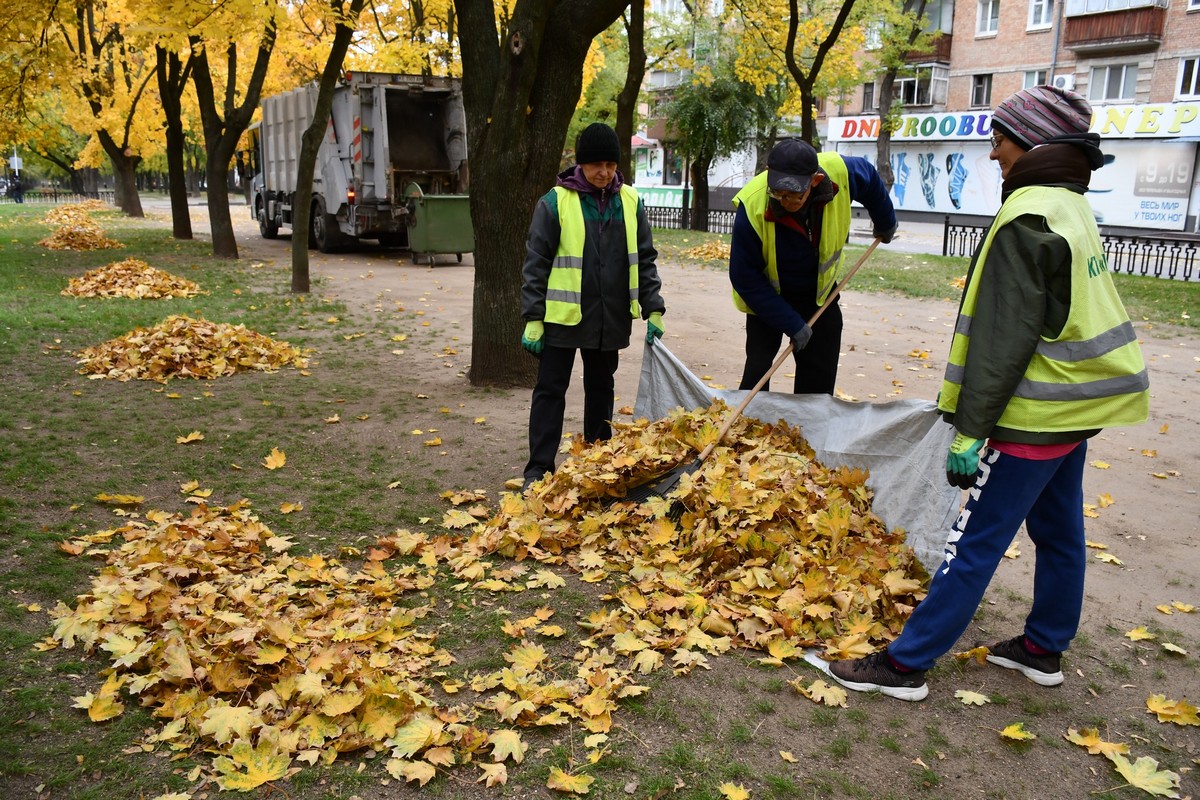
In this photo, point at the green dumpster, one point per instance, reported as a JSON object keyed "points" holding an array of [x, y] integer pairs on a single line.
{"points": [[438, 223]]}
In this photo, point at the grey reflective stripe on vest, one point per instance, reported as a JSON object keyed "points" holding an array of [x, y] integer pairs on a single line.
{"points": [[1097, 346], [832, 261], [1092, 390], [963, 326], [564, 296], [567, 262]]}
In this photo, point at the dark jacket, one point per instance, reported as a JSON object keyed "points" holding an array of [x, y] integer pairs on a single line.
{"points": [[1024, 293], [606, 323], [796, 250]]}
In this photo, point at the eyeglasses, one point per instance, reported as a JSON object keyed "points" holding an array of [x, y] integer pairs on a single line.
{"points": [[788, 197], [996, 139]]}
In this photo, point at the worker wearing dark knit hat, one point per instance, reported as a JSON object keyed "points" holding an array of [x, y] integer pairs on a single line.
{"points": [[786, 255], [1043, 356], [589, 272]]}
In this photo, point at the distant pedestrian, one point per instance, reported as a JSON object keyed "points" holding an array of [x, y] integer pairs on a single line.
{"points": [[17, 191], [1042, 358]]}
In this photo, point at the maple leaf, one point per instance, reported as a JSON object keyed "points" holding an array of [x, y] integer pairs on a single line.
{"points": [[969, 698], [290, 508], [420, 771], [1145, 775], [493, 775], [276, 459], [105, 705], [1174, 648], [247, 767], [1016, 731], [1090, 738], [821, 692], [1109, 558], [194, 436], [787, 756], [1139, 634], [563, 782], [416, 735], [732, 791], [547, 579], [224, 722], [527, 657], [979, 654], [1186, 608], [1179, 712], [507, 744], [121, 499]]}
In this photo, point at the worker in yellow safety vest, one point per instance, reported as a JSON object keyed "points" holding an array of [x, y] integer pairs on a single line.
{"points": [[1043, 356], [589, 272], [789, 231]]}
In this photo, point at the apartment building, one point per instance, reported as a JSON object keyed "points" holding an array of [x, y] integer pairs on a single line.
{"points": [[1137, 61]]}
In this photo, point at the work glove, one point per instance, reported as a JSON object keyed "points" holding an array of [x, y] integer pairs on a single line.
{"points": [[800, 338], [885, 237], [531, 339], [962, 462], [654, 327]]}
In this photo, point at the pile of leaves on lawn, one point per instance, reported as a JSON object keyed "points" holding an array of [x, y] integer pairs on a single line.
{"points": [[77, 230], [183, 347], [269, 660], [130, 278], [715, 250], [774, 550]]}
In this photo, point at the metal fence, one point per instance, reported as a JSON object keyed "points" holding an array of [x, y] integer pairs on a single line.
{"points": [[720, 220], [1174, 257], [57, 196]]}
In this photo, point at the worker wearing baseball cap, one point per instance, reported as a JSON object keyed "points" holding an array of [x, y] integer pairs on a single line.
{"points": [[1043, 356], [786, 256]]}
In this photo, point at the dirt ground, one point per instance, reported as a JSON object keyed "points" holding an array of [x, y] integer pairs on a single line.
{"points": [[892, 348]]}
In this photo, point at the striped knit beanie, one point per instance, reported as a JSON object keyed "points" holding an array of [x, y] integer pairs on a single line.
{"points": [[1033, 116]]}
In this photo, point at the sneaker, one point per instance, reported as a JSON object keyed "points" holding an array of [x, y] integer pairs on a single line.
{"points": [[875, 673], [1012, 654]]}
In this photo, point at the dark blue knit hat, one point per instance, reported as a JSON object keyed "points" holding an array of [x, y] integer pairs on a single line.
{"points": [[597, 142]]}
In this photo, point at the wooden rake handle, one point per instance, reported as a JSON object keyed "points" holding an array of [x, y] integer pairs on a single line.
{"points": [[783, 355]]}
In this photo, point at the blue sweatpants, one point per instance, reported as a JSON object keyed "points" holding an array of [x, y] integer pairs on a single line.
{"points": [[1048, 497]]}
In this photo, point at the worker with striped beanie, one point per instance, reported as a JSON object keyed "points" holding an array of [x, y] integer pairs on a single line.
{"points": [[1045, 114]]}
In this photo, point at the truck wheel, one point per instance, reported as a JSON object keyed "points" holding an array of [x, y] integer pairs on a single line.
{"points": [[267, 227], [324, 228]]}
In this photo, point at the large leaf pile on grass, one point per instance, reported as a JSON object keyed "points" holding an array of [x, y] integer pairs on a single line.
{"points": [[183, 347], [77, 230], [772, 547], [130, 278]]}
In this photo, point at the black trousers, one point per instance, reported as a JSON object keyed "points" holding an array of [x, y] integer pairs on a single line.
{"points": [[550, 402], [816, 364]]}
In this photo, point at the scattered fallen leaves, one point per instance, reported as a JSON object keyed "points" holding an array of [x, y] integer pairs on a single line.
{"points": [[183, 347], [76, 230]]}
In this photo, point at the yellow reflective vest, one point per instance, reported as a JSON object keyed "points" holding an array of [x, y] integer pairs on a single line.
{"points": [[565, 284], [1092, 374], [835, 227]]}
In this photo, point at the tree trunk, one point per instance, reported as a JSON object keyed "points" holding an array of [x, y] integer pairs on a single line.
{"points": [[124, 175], [635, 32], [310, 142], [519, 99], [887, 87], [221, 135], [700, 167], [172, 81]]}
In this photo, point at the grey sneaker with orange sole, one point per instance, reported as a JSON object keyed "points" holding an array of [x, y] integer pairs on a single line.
{"points": [[875, 673], [1011, 653]]}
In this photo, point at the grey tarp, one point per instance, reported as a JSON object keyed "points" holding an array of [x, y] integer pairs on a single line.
{"points": [[902, 443]]}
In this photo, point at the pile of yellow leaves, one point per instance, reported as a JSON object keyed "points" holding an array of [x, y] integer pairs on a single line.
{"points": [[183, 347], [773, 550], [264, 658], [715, 250], [76, 229], [130, 278]]}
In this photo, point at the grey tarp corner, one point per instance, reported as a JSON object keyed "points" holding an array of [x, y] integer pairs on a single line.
{"points": [[902, 443]]}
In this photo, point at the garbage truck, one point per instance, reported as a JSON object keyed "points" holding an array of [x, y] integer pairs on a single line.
{"points": [[392, 166]]}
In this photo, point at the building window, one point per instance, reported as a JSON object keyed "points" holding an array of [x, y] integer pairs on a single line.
{"points": [[1189, 79], [1076, 8], [981, 91], [869, 101], [1193, 5], [1041, 14], [989, 17], [873, 35], [1035, 77], [1114, 82], [925, 87]]}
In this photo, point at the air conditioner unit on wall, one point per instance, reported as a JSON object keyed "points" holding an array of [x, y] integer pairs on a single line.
{"points": [[1066, 82]]}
